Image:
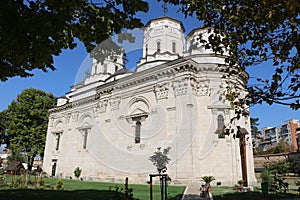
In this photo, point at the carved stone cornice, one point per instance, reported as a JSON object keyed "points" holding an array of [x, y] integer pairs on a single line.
{"points": [[72, 105], [102, 105], [83, 101], [61, 108], [200, 88], [161, 90], [185, 68], [180, 87], [114, 103], [100, 91]]}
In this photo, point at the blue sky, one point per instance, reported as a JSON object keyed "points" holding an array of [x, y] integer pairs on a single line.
{"points": [[68, 63]]}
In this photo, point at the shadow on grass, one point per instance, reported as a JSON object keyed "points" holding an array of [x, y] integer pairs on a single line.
{"points": [[192, 197], [177, 197], [34, 194], [27, 194], [257, 196]]}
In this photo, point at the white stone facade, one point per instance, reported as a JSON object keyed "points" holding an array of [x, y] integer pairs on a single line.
{"points": [[110, 128]]}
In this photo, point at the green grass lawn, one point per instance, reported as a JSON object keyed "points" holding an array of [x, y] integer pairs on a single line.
{"points": [[227, 193], [87, 190]]}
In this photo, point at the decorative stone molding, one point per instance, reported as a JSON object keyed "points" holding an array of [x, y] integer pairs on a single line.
{"points": [[102, 105], [129, 148], [101, 90], [75, 116], [214, 111], [180, 87], [51, 120], [161, 91], [200, 88], [61, 108], [171, 108], [226, 111], [114, 103], [67, 117], [83, 101], [189, 105]]}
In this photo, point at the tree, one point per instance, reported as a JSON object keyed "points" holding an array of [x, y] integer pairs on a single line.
{"points": [[278, 169], [254, 127], [280, 147], [160, 159], [294, 163], [34, 31], [27, 118], [4, 139], [16, 155], [283, 147], [251, 33]]}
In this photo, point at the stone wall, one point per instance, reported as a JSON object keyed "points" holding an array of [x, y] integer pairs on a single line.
{"points": [[261, 160]]}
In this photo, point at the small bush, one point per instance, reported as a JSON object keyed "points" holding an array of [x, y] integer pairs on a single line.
{"points": [[240, 182], [208, 179], [266, 177], [2, 182], [16, 182], [59, 185], [41, 182]]}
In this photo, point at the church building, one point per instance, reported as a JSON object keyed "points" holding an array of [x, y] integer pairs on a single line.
{"points": [[111, 123]]}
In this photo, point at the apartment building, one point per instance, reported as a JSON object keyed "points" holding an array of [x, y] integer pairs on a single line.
{"points": [[283, 133]]}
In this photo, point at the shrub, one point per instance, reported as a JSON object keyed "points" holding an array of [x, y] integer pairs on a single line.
{"points": [[208, 179], [2, 182], [41, 182], [59, 185], [279, 167], [266, 177], [294, 164], [240, 182], [16, 182]]}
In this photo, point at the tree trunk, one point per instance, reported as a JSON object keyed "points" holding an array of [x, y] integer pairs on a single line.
{"points": [[30, 160]]}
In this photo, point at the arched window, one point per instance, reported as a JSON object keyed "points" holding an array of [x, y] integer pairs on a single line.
{"points": [[57, 136], [84, 136], [57, 141], [158, 47], [138, 132], [174, 47], [221, 125]]}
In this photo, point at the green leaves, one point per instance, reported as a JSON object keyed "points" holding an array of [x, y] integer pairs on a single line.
{"points": [[32, 32], [27, 121], [256, 32]]}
